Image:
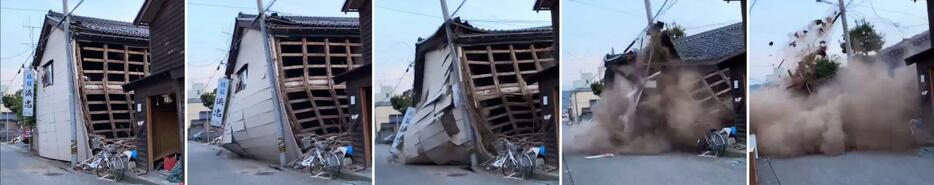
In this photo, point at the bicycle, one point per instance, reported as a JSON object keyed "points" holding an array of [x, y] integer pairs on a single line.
{"points": [[107, 163], [714, 142], [511, 161], [323, 159]]}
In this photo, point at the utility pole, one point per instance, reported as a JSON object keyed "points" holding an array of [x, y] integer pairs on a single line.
{"points": [[458, 81], [650, 31], [271, 72], [69, 61], [846, 32]]}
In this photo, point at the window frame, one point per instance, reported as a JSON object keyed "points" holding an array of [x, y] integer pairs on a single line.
{"points": [[48, 73], [242, 76]]}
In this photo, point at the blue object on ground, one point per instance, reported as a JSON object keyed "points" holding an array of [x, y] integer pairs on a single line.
{"points": [[541, 150], [350, 150], [133, 154]]}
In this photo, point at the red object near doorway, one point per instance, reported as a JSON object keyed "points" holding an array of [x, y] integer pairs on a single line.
{"points": [[169, 163]]}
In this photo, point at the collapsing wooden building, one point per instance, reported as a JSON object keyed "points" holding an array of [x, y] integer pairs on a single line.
{"points": [[308, 53], [494, 66], [158, 96], [107, 54], [719, 55]]}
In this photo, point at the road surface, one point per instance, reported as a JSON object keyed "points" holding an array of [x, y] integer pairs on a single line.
{"points": [[854, 168], [210, 164], [17, 166], [671, 168], [388, 173]]}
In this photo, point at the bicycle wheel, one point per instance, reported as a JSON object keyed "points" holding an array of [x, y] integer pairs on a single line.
{"points": [[119, 167], [333, 165], [317, 167], [525, 166], [509, 167], [103, 168]]}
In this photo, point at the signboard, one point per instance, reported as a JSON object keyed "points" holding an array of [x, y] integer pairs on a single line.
{"points": [[220, 101], [29, 93], [409, 115]]}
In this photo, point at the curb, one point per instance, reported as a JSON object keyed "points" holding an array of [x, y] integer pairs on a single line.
{"points": [[545, 175], [355, 176], [136, 179]]}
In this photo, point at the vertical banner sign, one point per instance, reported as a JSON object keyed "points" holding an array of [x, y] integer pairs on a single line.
{"points": [[29, 92], [220, 101], [406, 120]]}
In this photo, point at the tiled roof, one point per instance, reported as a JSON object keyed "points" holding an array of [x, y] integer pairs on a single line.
{"points": [[467, 24], [103, 26], [712, 45], [309, 20]]}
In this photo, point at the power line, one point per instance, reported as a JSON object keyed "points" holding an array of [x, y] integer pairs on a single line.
{"points": [[23, 65], [219, 6], [24, 9], [408, 12], [605, 8]]}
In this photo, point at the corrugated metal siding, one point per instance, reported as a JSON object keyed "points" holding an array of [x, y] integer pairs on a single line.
{"points": [[167, 37]]}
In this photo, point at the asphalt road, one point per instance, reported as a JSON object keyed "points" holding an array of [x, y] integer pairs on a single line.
{"points": [[854, 168], [388, 173], [211, 164], [17, 166], [671, 168]]}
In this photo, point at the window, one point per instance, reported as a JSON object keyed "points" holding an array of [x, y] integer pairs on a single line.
{"points": [[242, 76], [47, 73]]}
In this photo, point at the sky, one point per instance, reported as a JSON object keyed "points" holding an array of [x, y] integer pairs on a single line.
{"points": [[775, 21], [594, 28], [399, 24], [18, 39]]}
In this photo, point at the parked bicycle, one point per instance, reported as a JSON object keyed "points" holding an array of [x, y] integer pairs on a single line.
{"points": [[714, 142], [325, 157], [515, 159], [108, 163]]}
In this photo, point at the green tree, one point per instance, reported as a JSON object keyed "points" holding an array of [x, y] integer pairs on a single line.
{"points": [[14, 102], [675, 31], [597, 87], [401, 102], [865, 38], [207, 99], [826, 67]]}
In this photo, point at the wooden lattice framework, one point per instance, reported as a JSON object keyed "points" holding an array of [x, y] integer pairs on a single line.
{"points": [[496, 74], [714, 89], [104, 69], [316, 105]]}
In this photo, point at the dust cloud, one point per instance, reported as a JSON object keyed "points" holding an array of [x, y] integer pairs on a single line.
{"points": [[664, 121], [861, 108], [867, 105]]}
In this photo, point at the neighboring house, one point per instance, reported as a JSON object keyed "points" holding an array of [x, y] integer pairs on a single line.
{"points": [[160, 97], [360, 88], [382, 111], [107, 54], [194, 107], [308, 52], [924, 64], [580, 103], [494, 65], [8, 125]]}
